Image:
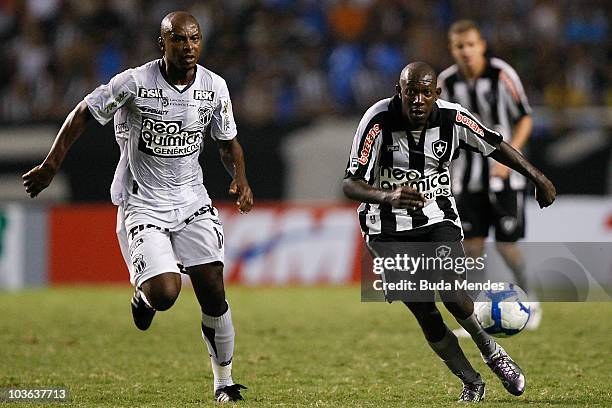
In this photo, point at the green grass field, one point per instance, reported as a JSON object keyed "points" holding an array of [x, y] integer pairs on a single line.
{"points": [[295, 347]]}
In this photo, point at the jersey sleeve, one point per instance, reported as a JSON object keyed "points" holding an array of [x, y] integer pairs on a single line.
{"points": [[223, 125], [106, 99], [473, 135], [365, 149], [513, 94]]}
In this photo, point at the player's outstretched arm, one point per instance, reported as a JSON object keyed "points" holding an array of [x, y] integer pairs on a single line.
{"points": [[232, 157], [39, 178], [545, 190], [401, 197]]}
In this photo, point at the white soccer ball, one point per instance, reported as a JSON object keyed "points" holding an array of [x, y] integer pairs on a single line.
{"points": [[503, 313]]}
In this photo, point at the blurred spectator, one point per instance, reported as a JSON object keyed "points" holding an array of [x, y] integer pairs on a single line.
{"points": [[291, 60], [348, 19]]}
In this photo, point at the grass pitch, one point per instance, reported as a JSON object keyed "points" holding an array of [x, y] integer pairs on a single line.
{"points": [[295, 347]]}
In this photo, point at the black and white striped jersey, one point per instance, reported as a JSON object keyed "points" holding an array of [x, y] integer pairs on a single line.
{"points": [[498, 99], [386, 155]]}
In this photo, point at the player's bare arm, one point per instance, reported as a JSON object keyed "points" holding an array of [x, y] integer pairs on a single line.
{"points": [[509, 156], [39, 178], [232, 157], [402, 197], [520, 136]]}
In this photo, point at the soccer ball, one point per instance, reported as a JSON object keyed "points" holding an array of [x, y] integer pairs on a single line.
{"points": [[503, 313]]}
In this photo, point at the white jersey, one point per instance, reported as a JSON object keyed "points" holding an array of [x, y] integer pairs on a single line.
{"points": [[165, 127]]}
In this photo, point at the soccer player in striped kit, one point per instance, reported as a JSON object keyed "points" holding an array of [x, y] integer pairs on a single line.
{"points": [[489, 194], [409, 140]]}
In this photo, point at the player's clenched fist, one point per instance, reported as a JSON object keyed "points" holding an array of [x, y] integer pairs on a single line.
{"points": [[405, 197], [545, 191], [37, 179]]}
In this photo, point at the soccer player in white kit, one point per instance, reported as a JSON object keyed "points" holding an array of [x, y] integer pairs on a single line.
{"points": [[163, 110]]}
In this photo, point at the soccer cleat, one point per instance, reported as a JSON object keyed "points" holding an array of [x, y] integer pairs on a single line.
{"points": [[229, 393], [472, 393], [507, 371], [141, 312], [535, 316]]}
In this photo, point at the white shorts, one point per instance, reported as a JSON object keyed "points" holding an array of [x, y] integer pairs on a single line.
{"points": [[154, 242]]}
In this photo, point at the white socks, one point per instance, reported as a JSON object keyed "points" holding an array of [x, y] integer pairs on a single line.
{"points": [[218, 334], [222, 374]]}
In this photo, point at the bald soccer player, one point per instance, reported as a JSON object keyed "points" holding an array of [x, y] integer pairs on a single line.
{"points": [[399, 171], [164, 109]]}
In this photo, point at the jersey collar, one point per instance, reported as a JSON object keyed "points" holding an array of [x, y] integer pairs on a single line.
{"points": [[163, 75]]}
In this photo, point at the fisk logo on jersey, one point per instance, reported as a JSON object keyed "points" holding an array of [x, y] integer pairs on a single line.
{"points": [[201, 95], [367, 144], [150, 93], [167, 139], [467, 121], [432, 186]]}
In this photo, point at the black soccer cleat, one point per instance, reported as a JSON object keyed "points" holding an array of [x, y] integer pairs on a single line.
{"points": [[507, 371], [141, 312], [472, 393], [229, 393]]}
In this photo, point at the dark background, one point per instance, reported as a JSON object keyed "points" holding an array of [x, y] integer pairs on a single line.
{"points": [[289, 63]]}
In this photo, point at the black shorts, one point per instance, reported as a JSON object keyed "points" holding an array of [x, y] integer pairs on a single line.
{"points": [[505, 211], [441, 241], [444, 231]]}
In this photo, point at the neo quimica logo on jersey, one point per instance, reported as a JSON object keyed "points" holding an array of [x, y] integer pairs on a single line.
{"points": [[167, 139], [467, 121], [431, 186]]}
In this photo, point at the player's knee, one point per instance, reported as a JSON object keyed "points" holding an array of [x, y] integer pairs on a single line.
{"points": [[163, 291], [425, 312], [163, 299]]}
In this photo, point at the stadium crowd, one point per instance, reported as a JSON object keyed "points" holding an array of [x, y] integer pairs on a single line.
{"points": [[286, 60]]}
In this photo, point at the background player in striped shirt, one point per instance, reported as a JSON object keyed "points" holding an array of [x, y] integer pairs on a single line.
{"points": [[400, 154], [164, 109], [488, 193]]}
